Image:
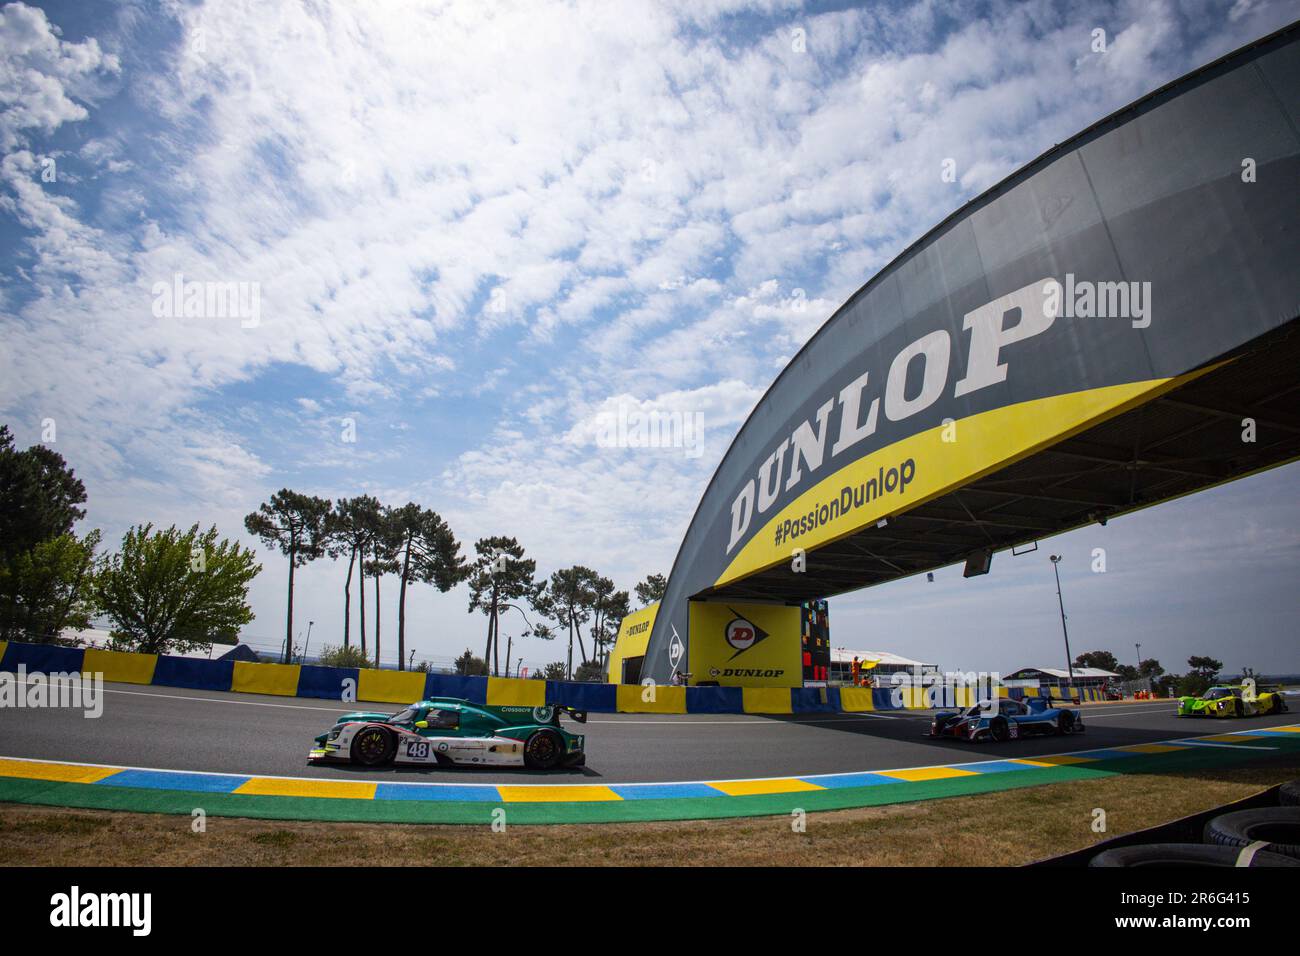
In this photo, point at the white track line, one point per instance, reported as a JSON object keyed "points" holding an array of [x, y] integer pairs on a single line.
{"points": [[669, 720], [214, 700], [644, 783], [1211, 743], [1127, 713]]}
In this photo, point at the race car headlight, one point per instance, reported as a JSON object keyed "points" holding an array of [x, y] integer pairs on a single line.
{"points": [[335, 733]]}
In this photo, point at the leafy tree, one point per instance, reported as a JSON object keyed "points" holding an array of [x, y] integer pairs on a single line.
{"points": [[1150, 668], [39, 495], [500, 575], [429, 553], [608, 610], [590, 671], [298, 525], [1192, 684], [170, 590], [651, 589], [552, 671], [349, 533], [1127, 672], [385, 547], [568, 600], [48, 588], [470, 665], [1103, 660], [331, 656], [1205, 667]]}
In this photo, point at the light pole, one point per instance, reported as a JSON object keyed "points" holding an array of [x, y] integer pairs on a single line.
{"points": [[1139, 650], [1069, 663], [509, 638], [308, 644]]}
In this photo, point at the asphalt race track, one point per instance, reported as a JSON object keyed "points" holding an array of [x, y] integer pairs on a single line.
{"points": [[169, 729]]}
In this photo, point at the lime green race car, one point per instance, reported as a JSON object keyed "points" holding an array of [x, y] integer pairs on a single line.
{"points": [[449, 731], [1232, 701]]}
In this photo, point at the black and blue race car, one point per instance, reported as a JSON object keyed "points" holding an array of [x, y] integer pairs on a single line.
{"points": [[1008, 720]]}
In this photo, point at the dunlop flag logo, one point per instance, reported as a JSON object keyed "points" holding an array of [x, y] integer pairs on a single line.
{"points": [[742, 634]]}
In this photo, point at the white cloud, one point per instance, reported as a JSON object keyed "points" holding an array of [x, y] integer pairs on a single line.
{"points": [[42, 75], [645, 194]]}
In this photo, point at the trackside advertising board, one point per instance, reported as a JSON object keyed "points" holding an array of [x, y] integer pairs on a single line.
{"points": [[633, 635], [745, 645]]}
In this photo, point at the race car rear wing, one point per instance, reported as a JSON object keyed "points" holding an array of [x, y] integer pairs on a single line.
{"points": [[573, 713]]}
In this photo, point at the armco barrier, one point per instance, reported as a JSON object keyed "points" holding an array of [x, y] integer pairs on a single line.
{"points": [[857, 699], [327, 683], [815, 700], [634, 699], [1083, 693], [470, 688], [599, 698], [192, 674], [714, 700], [515, 692], [768, 700], [390, 687], [402, 687], [280, 680], [45, 658], [120, 666]]}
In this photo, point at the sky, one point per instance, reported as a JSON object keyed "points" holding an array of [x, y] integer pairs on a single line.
{"points": [[464, 236]]}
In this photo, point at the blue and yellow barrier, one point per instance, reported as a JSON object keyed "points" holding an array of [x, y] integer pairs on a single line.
{"points": [[280, 680], [1082, 693], [856, 699], [515, 692], [390, 687], [636, 699], [403, 687], [768, 700], [120, 666]]}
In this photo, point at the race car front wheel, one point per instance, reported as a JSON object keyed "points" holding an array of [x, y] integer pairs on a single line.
{"points": [[543, 750], [1065, 723], [373, 746], [999, 730]]}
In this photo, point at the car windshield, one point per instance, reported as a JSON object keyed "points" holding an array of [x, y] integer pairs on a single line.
{"points": [[405, 717], [1218, 693]]}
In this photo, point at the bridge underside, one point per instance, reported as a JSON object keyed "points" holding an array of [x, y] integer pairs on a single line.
{"points": [[1186, 440]]}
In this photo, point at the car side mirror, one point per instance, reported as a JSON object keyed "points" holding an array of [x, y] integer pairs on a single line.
{"points": [[422, 724]]}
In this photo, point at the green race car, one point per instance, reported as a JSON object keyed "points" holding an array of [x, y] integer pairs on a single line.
{"points": [[1231, 700], [452, 732]]}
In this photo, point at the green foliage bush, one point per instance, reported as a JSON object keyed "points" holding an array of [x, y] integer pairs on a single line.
{"points": [[333, 656]]}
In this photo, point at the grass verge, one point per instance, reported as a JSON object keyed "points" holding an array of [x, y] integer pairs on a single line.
{"points": [[1004, 828]]}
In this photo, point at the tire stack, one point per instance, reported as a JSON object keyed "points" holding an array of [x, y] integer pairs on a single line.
{"points": [[1267, 836]]}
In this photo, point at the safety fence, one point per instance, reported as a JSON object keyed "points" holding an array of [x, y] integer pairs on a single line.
{"points": [[403, 687]]}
